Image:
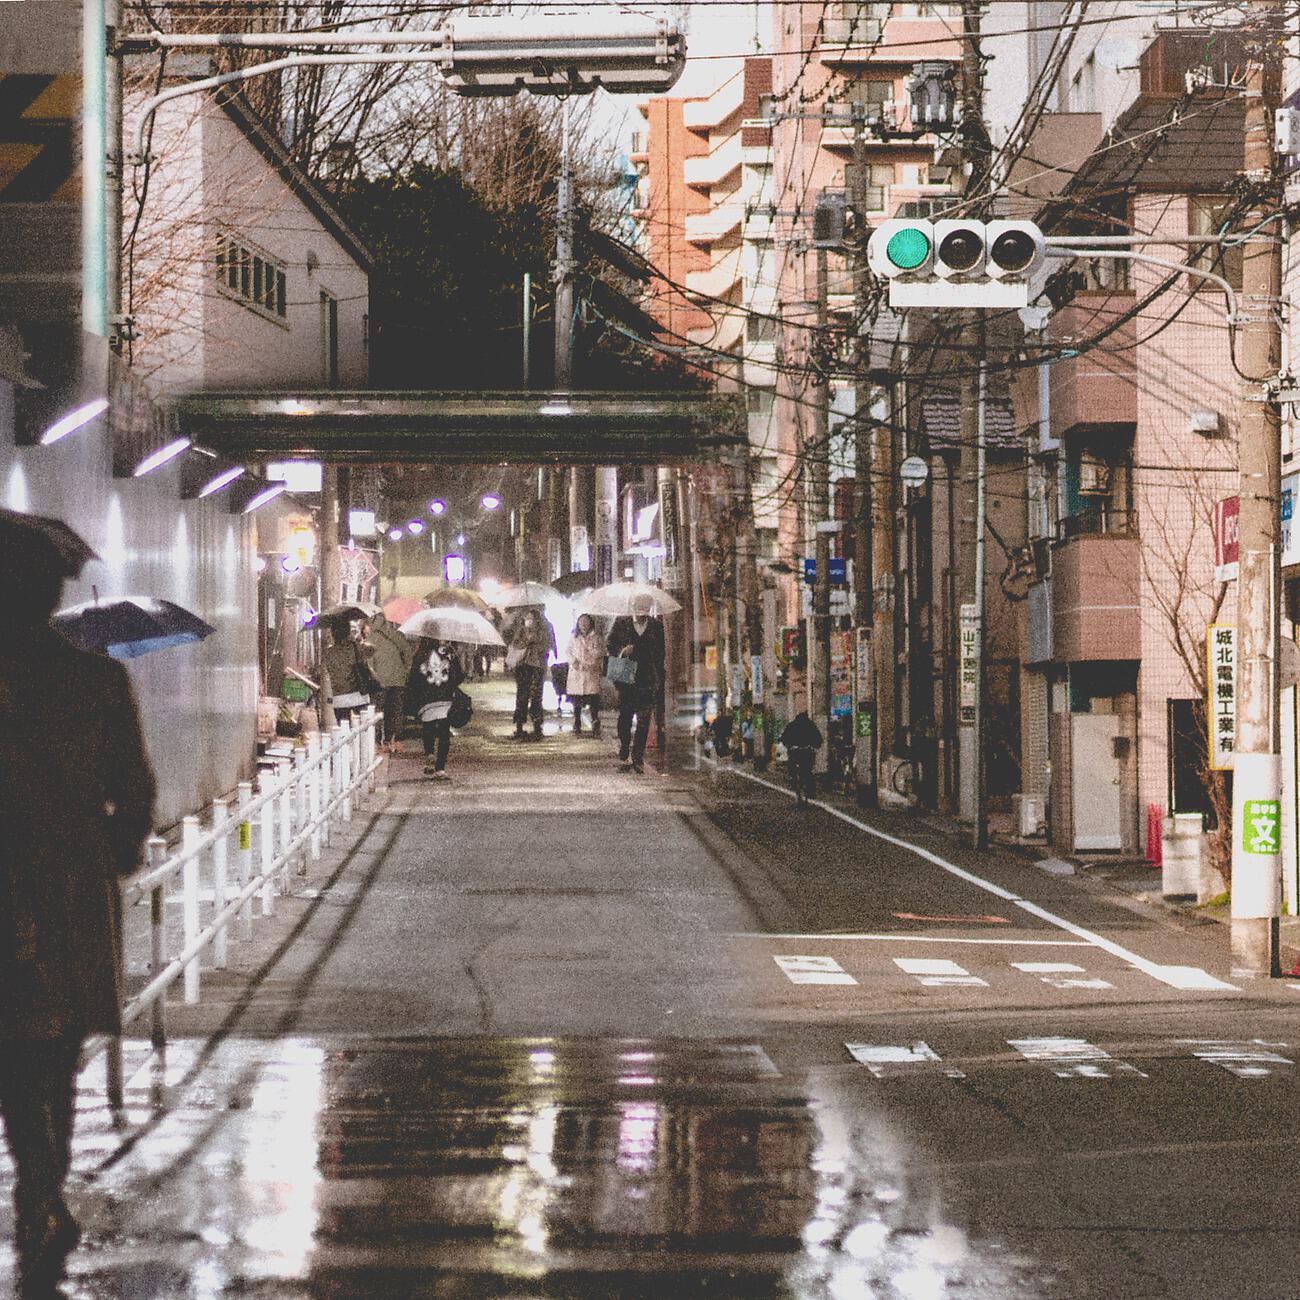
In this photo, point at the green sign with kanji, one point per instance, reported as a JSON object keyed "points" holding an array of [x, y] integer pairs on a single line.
{"points": [[1260, 820]]}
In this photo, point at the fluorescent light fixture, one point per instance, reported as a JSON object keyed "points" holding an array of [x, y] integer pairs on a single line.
{"points": [[361, 523], [292, 406], [395, 534], [490, 501], [268, 493], [160, 457], [437, 507], [74, 420], [224, 479], [415, 527], [296, 475], [557, 409]]}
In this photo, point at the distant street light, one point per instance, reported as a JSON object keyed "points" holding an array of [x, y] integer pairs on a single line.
{"points": [[395, 534], [415, 528], [437, 507], [490, 501]]}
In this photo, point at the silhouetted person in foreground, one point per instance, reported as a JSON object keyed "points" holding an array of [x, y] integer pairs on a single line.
{"points": [[76, 799]]}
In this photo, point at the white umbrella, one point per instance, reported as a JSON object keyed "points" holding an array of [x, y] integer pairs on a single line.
{"points": [[527, 593], [617, 597], [447, 623]]}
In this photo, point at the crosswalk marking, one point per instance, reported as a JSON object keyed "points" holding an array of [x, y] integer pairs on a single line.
{"points": [[1247, 1059], [1061, 974], [883, 1059], [814, 970], [935, 971], [1073, 1058]]}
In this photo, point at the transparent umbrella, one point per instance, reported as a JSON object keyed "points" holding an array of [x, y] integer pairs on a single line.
{"points": [[447, 623], [617, 598], [527, 594]]}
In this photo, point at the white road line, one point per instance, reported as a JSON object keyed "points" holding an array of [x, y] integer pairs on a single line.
{"points": [[1247, 1059], [1179, 977], [1061, 974], [883, 1059], [1072, 1058], [814, 970], [936, 972], [915, 938]]}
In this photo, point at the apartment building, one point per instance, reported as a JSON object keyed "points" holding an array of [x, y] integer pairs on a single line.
{"points": [[1131, 439]]}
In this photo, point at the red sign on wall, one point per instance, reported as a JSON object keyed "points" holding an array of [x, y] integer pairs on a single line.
{"points": [[1226, 515]]}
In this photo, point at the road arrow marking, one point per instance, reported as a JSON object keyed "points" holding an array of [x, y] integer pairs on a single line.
{"points": [[884, 1059], [814, 970], [935, 972], [1072, 1058]]}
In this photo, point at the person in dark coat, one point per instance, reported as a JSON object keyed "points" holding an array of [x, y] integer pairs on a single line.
{"points": [[76, 803], [640, 638], [435, 676], [802, 739]]}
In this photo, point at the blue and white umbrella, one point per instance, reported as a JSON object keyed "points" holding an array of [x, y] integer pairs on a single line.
{"points": [[126, 627]]}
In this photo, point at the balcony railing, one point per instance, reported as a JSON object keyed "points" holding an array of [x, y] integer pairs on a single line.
{"points": [[1098, 519]]}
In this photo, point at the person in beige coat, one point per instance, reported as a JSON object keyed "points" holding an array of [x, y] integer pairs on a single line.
{"points": [[76, 803], [586, 667]]}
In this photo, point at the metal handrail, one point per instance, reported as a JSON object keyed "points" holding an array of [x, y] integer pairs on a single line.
{"points": [[294, 811]]}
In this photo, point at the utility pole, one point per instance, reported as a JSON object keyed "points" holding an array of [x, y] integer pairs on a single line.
{"points": [[1257, 764], [866, 710], [816, 468], [971, 810]]}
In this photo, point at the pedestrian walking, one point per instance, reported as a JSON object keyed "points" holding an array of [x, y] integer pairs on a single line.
{"points": [[586, 665], [435, 677], [639, 638], [802, 739], [345, 664], [531, 648], [391, 661], [76, 802]]}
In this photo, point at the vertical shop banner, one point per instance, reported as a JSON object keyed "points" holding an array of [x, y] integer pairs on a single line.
{"points": [[357, 574], [756, 685], [841, 674], [1226, 550], [1290, 542], [969, 666], [1221, 707]]}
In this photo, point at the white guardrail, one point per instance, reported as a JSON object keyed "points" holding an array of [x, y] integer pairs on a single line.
{"points": [[251, 845]]}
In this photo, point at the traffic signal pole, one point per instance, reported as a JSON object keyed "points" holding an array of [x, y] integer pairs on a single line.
{"points": [[971, 811], [1257, 764]]}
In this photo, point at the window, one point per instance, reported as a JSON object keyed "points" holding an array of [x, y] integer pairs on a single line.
{"points": [[252, 278], [879, 177], [759, 401], [1206, 216], [760, 329]]}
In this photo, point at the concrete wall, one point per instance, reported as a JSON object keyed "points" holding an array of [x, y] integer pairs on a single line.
{"points": [[198, 702]]}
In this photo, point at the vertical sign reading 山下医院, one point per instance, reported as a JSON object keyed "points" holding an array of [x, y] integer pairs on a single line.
{"points": [[1221, 704]]}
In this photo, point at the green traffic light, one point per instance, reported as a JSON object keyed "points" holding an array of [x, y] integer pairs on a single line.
{"points": [[908, 248]]}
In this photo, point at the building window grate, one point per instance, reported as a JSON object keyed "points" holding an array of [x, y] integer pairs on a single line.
{"points": [[253, 279]]}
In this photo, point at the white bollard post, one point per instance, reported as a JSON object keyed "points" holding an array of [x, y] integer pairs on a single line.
{"points": [[345, 772], [266, 833], [155, 851], [284, 773], [244, 857], [325, 786], [300, 814], [220, 818], [313, 793], [191, 833], [368, 748]]}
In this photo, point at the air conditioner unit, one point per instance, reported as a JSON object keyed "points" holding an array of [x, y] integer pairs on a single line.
{"points": [[1030, 813]]}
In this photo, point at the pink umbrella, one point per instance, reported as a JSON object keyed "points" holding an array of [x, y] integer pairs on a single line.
{"points": [[400, 608]]}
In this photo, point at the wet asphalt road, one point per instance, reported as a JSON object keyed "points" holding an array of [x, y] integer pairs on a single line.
{"points": [[551, 1030]]}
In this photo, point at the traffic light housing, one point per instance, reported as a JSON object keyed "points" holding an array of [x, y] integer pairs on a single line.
{"points": [[956, 262]]}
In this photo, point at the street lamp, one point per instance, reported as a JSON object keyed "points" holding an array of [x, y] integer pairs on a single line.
{"points": [[490, 501], [437, 507]]}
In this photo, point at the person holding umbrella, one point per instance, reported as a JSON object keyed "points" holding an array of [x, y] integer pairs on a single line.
{"points": [[639, 638], [435, 676], [344, 662], [76, 803], [586, 661]]}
